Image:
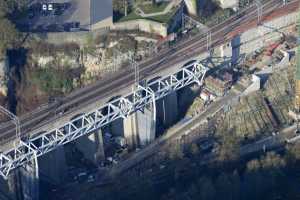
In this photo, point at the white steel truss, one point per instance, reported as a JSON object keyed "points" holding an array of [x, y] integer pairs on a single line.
{"points": [[122, 107]]}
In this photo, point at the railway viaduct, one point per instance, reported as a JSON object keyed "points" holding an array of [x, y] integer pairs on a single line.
{"points": [[133, 110]]}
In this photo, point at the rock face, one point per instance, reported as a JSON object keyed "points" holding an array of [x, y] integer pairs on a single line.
{"points": [[3, 76], [192, 6]]}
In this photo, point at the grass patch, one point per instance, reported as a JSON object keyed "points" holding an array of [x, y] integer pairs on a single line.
{"points": [[153, 8], [162, 18], [159, 18], [52, 80]]}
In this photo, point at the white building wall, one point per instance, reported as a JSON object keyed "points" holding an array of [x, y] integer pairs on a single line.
{"points": [[255, 85], [143, 25], [191, 6], [228, 3]]}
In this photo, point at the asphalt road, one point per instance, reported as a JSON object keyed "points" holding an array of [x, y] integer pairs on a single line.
{"points": [[124, 79]]}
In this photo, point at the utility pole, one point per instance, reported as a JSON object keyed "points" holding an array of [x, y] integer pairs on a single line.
{"points": [[15, 121], [259, 10], [135, 65], [130, 57], [208, 41]]}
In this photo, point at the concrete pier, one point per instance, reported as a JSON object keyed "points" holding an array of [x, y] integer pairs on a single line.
{"points": [[22, 184], [192, 6], [92, 146], [139, 127], [53, 165], [4, 189], [29, 182], [116, 128], [167, 110]]}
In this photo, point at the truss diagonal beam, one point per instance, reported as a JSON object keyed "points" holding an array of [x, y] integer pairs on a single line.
{"points": [[122, 107]]}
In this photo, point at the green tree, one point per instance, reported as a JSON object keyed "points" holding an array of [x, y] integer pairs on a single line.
{"points": [[176, 152], [229, 148], [207, 189], [272, 161], [293, 153], [120, 6], [224, 187], [236, 185], [253, 165], [8, 35], [194, 149], [8, 32]]}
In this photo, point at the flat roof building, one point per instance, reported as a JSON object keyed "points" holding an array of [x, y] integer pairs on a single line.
{"points": [[85, 14]]}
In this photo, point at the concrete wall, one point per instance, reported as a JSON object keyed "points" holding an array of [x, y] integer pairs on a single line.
{"points": [[143, 25], [255, 86], [92, 146], [80, 37]]}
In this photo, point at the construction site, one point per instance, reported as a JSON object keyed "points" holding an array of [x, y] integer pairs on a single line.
{"points": [[241, 105], [265, 82]]}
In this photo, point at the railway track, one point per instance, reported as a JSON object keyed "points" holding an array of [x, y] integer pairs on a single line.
{"points": [[125, 78]]}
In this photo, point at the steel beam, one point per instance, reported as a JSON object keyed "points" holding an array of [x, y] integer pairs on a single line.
{"points": [[36, 146]]}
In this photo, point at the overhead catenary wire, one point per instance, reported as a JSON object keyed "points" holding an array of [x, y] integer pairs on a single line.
{"points": [[15, 119]]}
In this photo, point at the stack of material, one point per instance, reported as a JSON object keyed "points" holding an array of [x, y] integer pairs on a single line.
{"points": [[250, 117]]}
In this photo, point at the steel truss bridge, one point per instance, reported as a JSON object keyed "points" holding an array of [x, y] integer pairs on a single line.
{"points": [[24, 152]]}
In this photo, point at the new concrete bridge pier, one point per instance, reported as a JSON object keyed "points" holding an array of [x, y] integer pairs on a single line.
{"points": [[92, 146], [54, 165], [230, 50], [5, 190], [13, 185], [167, 110], [192, 6], [140, 127], [29, 179], [22, 184]]}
